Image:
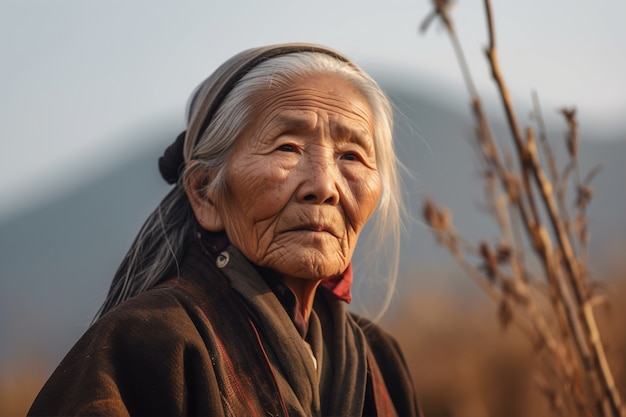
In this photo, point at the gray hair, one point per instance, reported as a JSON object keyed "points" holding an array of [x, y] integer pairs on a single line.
{"points": [[161, 243]]}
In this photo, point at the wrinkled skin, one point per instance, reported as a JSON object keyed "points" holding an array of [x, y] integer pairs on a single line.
{"points": [[302, 180]]}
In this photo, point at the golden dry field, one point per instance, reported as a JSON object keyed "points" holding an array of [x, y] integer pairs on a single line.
{"points": [[465, 364]]}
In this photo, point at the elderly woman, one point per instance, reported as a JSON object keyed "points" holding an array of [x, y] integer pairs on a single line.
{"points": [[231, 301]]}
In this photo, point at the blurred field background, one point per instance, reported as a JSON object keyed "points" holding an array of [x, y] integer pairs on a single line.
{"points": [[60, 246], [464, 364]]}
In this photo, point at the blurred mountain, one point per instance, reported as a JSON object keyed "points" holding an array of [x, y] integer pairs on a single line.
{"points": [[57, 259]]}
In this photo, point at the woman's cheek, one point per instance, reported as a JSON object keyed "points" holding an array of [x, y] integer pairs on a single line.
{"points": [[364, 181], [366, 193]]}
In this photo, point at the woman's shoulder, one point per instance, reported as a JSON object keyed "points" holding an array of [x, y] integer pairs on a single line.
{"points": [[163, 313], [375, 334], [134, 352], [392, 364]]}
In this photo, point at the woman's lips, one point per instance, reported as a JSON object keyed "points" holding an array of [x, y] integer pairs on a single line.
{"points": [[314, 227], [313, 221]]}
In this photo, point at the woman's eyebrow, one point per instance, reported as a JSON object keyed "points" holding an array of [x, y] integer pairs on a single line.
{"points": [[352, 133], [340, 131], [295, 122]]}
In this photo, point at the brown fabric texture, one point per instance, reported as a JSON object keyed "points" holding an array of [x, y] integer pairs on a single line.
{"points": [[217, 342]]}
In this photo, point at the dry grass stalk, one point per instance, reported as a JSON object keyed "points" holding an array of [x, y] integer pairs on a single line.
{"points": [[578, 379]]}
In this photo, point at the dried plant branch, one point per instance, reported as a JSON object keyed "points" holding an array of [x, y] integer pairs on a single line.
{"points": [[597, 360], [525, 192], [594, 361], [507, 294], [543, 138]]}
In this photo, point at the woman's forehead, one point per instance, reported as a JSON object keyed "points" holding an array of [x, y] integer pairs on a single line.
{"points": [[302, 103], [342, 127]]}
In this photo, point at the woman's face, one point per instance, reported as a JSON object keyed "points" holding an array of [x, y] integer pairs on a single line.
{"points": [[301, 181]]}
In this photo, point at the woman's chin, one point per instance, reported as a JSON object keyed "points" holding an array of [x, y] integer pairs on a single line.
{"points": [[309, 263]]}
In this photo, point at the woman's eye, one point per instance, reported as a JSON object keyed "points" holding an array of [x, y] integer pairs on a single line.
{"points": [[286, 148], [350, 157]]}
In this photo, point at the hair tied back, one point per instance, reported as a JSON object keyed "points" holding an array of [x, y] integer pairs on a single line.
{"points": [[172, 163]]}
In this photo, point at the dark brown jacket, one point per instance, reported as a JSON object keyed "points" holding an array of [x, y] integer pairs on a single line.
{"points": [[198, 345]]}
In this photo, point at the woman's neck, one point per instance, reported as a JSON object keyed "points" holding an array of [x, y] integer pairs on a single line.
{"points": [[304, 290]]}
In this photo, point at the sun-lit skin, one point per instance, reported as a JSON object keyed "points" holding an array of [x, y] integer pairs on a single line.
{"points": [[302, 181]]}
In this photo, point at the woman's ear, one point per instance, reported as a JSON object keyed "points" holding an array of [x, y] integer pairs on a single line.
{"points": [[195, 185]]}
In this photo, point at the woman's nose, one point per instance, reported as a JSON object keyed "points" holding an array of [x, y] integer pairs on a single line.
{"points": [[319, 183]]}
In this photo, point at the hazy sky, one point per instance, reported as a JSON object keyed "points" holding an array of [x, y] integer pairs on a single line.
{"points": [[77, 74]]}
